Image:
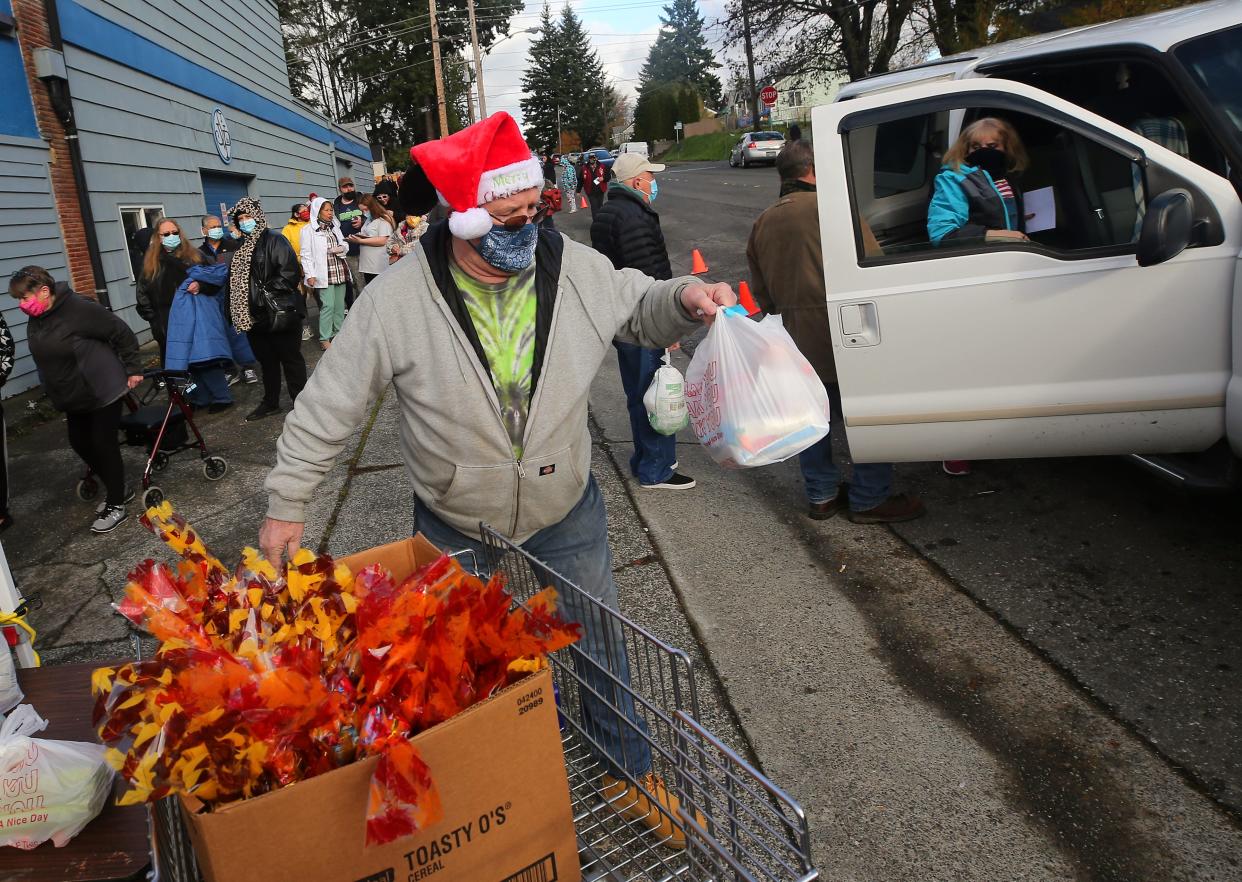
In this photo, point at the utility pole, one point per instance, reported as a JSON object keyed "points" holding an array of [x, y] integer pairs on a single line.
{"points": [[469, 97], [439, 72], [478, 60], [750, 68]]}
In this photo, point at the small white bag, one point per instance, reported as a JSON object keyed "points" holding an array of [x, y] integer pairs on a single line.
{"points": [[48, 789], [665, 400]]}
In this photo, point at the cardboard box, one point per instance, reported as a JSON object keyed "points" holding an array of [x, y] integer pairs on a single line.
{"points": [[501, 776]]}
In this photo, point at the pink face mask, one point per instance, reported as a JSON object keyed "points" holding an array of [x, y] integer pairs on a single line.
{"points": [[33, 307]]}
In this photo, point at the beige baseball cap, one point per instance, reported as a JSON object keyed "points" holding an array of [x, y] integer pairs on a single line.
{"points": [[631, 165]]}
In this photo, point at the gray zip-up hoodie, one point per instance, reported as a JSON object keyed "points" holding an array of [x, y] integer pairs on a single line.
{"points": [[453, 440]]}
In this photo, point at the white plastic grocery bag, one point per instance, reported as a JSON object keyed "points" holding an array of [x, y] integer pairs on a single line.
{"points": [[665, 400], [753, 398], [48, 789]]}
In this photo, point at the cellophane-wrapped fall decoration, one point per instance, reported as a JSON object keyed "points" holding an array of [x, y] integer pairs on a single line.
{"points": [[264, 679]]}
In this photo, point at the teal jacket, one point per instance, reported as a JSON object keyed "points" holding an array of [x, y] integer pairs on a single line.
{"points": [[965, 204]]}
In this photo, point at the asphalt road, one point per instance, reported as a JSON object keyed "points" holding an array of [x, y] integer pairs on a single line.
{"points": [[1129, 588]]}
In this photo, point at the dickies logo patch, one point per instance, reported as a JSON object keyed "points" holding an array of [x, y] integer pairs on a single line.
{"points": [[547, 470]]}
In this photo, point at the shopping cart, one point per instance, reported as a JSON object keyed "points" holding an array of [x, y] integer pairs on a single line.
{"points": [[739, 826]]}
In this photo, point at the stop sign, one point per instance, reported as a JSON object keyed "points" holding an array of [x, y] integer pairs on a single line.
{"points": [[769, 95]]}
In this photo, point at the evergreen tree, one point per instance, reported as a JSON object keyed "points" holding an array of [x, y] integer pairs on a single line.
{"points": [[545, 71], [585, 90], [370, 61], [688, 106], [680, 53], [657, 110], [564, 74]]}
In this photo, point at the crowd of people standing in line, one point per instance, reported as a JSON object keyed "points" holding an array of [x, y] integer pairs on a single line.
{"points": [[231, 309], [588, 178]]}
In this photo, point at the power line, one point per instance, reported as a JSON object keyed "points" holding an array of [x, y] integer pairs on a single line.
{"points": [[449, 14]]}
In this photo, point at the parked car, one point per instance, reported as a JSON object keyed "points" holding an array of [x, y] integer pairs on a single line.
{"points": [[1117, 328], [614, 153], [605, 158], [756, 147], [635, 147]]}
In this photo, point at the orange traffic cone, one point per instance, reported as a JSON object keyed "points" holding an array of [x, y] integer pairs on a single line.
{"points": [[697, 263], [744, 298], [584, 202]]}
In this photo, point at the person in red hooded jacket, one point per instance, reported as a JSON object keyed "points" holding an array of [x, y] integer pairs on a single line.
{"points": [[593, 180]]}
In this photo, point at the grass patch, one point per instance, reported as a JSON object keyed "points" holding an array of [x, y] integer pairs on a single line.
{"points": [[717, 145]]}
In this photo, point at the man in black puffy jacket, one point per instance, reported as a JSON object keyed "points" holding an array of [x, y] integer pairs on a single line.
{"points": [[627, 231]]}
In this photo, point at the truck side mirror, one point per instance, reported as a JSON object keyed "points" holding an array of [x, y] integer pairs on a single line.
{"points": [[1166, 227]]}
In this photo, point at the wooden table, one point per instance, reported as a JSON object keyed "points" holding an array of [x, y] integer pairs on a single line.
{"points": [[115, 846]]}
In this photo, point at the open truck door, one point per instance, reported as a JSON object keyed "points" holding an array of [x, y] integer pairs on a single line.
{"points": [[1109, 332]]}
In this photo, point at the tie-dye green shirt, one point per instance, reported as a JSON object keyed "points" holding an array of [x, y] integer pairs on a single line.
{"points": [[504, 318]]}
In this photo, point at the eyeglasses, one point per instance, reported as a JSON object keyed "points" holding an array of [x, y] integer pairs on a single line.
{"points": [[516, 222]]}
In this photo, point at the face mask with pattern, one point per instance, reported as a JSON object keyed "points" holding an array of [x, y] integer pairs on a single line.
{"points": [[508, 250]]}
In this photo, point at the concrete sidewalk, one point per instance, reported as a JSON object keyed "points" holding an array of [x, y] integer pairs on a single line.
{"points": [[925, 740]]}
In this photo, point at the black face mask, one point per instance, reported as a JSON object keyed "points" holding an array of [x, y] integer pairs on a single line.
{"points": [[991, 159]]}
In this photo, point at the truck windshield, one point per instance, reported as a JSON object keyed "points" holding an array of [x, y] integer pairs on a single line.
{"points": [[1215, 64]]}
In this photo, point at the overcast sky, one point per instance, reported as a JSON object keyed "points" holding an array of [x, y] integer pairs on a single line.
{"points": [[621, 32]]}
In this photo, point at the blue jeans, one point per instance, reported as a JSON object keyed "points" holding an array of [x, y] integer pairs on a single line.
{"points": [[872, 483], [654, 454], [577, 548], [211, 385]]}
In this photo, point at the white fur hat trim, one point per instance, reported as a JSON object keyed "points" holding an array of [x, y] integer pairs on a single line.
{"points": [[474, 223]]}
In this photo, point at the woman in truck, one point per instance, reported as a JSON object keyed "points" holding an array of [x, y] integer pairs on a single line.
{"points": [[975, 196]]}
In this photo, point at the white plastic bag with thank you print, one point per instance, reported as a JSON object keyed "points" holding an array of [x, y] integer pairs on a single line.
{"points": [[48, 789], [753, 398]]}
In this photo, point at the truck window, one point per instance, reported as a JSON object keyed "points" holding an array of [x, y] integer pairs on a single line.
{"points": [[902, 153], [1215, 64], [1139, 95], [1070, 194]]}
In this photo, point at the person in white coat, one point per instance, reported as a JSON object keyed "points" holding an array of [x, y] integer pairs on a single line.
{"points": [[323, 250]]}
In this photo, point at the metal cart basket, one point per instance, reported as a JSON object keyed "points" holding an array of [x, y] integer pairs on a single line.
{"points": [[738, 826]]}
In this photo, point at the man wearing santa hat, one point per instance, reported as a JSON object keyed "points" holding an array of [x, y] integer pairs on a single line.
{"points": [[491, 333]]}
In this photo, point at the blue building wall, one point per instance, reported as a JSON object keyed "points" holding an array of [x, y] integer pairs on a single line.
{"points": [[147, 79], [17, 117]]}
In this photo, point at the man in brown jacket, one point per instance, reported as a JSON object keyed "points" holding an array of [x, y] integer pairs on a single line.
{"points": [[787, 276]]}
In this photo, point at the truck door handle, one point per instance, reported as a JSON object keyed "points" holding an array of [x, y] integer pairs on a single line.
{"points": [[860, 324]]}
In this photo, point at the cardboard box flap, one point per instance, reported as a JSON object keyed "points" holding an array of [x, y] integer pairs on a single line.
{"points": [[401, 558]]}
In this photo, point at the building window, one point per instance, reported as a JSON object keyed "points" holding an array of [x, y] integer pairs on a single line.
{"points": [[133, 219], [795, 98]]}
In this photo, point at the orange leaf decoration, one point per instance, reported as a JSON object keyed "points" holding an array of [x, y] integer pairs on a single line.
{"points": [[262, 678]]}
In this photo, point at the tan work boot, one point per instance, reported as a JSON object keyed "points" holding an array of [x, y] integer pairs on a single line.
{"points": [[634, 804]]}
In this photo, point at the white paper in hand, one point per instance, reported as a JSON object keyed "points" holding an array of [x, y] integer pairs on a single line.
{"points": [[665, 400], [1041, 210]]}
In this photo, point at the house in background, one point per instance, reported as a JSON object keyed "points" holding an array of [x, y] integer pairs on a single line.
{"points": [[796, 95]]}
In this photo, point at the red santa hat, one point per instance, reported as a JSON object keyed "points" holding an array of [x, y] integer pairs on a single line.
{"points": [[488, 160]]}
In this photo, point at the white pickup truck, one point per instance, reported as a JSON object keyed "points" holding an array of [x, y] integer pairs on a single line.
{"points": [[1117, 329]]}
